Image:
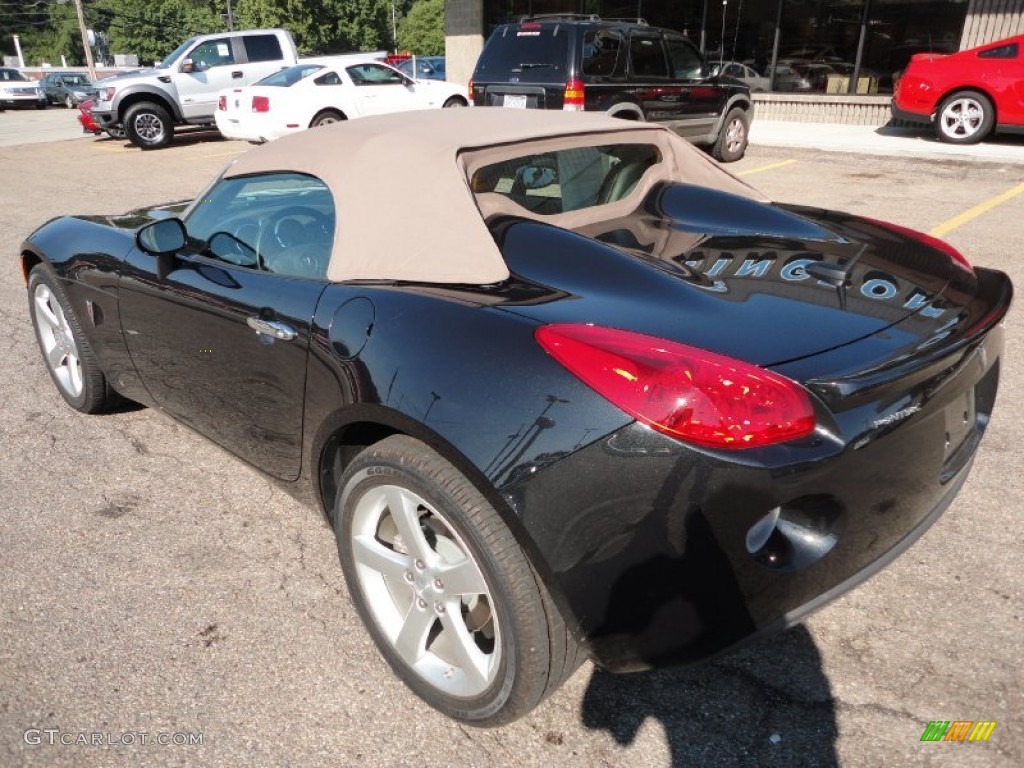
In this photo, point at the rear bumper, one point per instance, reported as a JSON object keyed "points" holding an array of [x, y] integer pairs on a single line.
{"points": [[646, 541], [910, 117]]}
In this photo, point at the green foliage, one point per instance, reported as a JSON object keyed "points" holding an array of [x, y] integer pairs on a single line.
{"points": [[422, 30], [153, 28], [329, 26], [55, 33]]}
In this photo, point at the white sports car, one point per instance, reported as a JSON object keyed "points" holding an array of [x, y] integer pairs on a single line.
{"points": [[311, 94]]}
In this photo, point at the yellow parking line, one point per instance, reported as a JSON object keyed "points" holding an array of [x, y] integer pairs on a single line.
{"points": [[225, 154], [771, 167], [976, 211]]}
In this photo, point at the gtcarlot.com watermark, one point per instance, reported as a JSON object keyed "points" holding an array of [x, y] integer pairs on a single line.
{"points": [[54, 737]]}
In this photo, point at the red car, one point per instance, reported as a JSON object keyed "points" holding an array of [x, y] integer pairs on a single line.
{"points": [[89, 125], [966, 95]]}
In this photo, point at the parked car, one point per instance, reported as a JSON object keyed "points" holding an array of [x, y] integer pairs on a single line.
{"points": [[67, 88], [965, 96], [16, 90], [625, 69], [748, 75], [84, 117], [802, 76], [423, 67], [182, 89], [591, 395], [310, 95]]}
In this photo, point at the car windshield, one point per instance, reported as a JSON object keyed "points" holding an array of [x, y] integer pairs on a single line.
{"points": [[75, 80], [176, 53], [12, 74], [291, 75]]}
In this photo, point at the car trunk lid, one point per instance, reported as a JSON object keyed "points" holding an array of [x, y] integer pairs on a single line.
{"points": [[765, 283]]}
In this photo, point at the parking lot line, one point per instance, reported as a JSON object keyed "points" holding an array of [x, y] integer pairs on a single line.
{"points": [[226, 154], [770, 167], [972, 213]]}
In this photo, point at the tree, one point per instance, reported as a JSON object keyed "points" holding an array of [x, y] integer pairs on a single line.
{"points": [[152, 29], [330, 26], [422, 30]]}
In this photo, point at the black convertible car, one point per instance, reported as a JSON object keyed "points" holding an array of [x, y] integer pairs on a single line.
{"points": [[591, 397]]}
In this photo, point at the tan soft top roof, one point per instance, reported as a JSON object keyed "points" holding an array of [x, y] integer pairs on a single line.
{"points": [[404, 207]]}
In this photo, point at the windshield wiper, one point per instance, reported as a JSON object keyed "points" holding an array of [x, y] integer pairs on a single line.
{"points": [[537, 65]]}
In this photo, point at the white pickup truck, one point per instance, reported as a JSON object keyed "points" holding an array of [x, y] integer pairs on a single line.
{"points": [[182, 89]]}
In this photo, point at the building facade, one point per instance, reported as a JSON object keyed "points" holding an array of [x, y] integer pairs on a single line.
{"points": [[807, 48]]}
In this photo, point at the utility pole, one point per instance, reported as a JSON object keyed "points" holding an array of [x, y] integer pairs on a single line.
{"points": [[231, 19], [85, 40]]}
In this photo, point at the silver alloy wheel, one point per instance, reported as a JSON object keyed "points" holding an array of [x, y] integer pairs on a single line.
{"points": [[735, 135], [425, 591], [961, 118], [149, 127], [326, 120], [57, 341]]}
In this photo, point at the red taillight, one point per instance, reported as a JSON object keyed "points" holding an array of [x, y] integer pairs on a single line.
{"points": [[222, 103], [260, 104], [573, 99], [684, 392], [933, 242]]}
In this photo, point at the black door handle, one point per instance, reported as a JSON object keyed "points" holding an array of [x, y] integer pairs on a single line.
{"points": [[237, 74]]}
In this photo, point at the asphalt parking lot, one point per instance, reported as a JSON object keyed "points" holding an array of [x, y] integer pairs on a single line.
{"points": [[154, 584]]}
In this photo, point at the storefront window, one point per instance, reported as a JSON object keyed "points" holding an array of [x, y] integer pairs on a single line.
{"points": [[824, 46]]}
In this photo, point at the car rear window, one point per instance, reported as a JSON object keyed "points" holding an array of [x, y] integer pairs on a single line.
{"points": [[557, 181], [528, 52], [291, 75]]}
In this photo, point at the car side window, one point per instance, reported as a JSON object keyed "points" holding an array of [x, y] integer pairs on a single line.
{"points": [[602, 53], [686, 61], [331, 78], [374, 74], [647, 57], [212, 53], [262, 48], [277, 222], [1008, 51]]}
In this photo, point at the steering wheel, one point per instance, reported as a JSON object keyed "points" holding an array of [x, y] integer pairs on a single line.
{"points": [[287, 235], [293, 249]]}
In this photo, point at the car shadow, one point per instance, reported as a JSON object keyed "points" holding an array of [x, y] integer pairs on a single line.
{"points": [[769, 703], [926, 133]]}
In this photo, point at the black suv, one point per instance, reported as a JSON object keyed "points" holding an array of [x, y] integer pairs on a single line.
{"points": [[625, 68]]}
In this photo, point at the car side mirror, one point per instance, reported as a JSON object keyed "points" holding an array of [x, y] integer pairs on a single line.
{"points": [[187, 66], [162, 237]]}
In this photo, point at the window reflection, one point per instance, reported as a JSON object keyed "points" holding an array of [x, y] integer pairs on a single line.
{"points": [[823, 46]]}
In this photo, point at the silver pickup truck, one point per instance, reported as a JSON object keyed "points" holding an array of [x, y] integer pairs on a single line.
{"points": [[182, 89]]}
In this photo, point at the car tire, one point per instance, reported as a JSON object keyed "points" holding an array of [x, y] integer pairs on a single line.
{"points": [[732, 140], [485, 651], [66, 352], [69, 103], [964, 117], [148, 126], [454, 101], [326, 117]]}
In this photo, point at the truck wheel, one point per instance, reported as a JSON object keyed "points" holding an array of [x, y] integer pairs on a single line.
{"points": [[148, 126], [732, 139]]}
